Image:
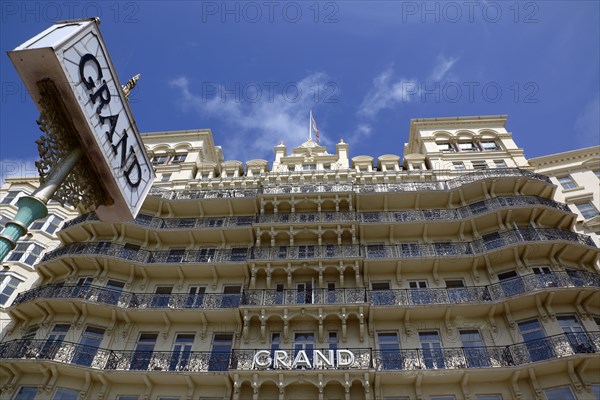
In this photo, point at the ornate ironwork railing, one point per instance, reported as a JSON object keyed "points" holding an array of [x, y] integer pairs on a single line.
{"points": [[465, 212], [304, 252], [124, 299], [551, 347], [478, 294], [263, 297], [270, 297], [547, 348], [349, 187]]}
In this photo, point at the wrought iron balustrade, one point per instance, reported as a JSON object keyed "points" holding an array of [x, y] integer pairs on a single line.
{"points": [[116, 360], [109, 249], [478, 294], [547, 348], [304, 252], [103, 295], [271, 297], [203, 194], [551, 347], [465, 212]]}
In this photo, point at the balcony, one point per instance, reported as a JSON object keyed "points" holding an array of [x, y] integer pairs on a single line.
{"points": [[330, 251], [548, 348], [305, 252], [480, 294], [270, 297], [102, 295], [203, 194], [108, 249], [489, 205], [175, 223], [264, 297], [348, 187]]}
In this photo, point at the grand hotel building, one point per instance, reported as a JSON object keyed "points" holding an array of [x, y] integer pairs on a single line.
{"points": [[450, 273]]}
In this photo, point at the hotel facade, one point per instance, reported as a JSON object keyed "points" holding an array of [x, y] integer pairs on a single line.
{"points": [[451, 273]]}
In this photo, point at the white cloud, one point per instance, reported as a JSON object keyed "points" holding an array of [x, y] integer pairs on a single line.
{"points": [[443, 65], [385, 93], [279, 113], [587, 124], [388, 91], [17, 168], [361, 132]]}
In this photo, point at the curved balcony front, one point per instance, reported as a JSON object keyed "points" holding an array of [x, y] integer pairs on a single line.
{"points": [[539, 350]]}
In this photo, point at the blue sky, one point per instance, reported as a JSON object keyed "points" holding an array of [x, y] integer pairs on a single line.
{"points": [[251, 71]]}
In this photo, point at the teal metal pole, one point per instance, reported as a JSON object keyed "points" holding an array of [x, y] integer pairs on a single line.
{"points": [[34, 207]]}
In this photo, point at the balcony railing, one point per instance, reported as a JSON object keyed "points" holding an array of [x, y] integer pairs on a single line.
{"points": [[124, 299], [547, 348], [108, 249], [465, 212], [263, 297], [269, 297], [479, 294], [303, 252], [350, 187]]}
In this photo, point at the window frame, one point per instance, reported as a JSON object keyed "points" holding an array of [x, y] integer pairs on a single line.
{"points": [[567, 182], [586, 213], [29, 251]]}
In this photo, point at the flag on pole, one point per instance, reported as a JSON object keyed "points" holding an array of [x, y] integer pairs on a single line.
{"points": [[313, 126]]}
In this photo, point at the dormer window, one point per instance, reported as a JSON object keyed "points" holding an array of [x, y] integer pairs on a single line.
{"points": [[445, 147], [489, 145], [309, 167], [178, 158], [467, 146], [159, 160], [291, 168]]}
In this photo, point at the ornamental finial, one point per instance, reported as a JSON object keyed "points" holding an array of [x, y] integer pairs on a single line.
{"points": [[128, 87]]}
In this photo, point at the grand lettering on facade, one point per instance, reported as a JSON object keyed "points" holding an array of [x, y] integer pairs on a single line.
{"points": [[129, 164], [281, 359]]}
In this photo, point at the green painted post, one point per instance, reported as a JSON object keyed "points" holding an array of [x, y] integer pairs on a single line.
{"points": [[34, 207]]}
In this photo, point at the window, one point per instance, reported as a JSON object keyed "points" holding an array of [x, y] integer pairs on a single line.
{"points": [[50, 224], [65, 394], [559, 393], [445, 147], [458, 165], [26, 393], [127, 398], [178, 158], [488, 397], [500, 164], [309, 167], [474, 348], [26, 252], [10, 197], [596, 388], [597, 172], [8, 285], [182, 351], [587, 209], [158, 160], [567, 182], [431, 345], [450, 397], [88, 346], [389, 350], [30, 333], [140, 360], [535, 340], [165, 177], [479, 164], [489, 145], [467, 146], [326, 167]]}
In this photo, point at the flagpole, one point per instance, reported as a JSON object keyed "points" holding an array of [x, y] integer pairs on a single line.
{"points": [[310, 125]]}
